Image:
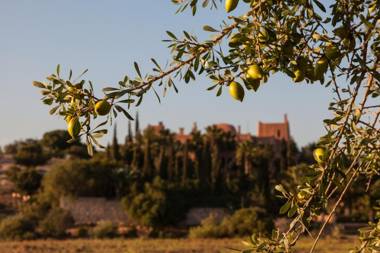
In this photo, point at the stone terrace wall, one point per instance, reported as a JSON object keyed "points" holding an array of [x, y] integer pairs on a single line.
{"points": [[88, 211]]}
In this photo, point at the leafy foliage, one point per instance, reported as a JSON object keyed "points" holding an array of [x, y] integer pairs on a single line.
{"points": [[17, 227], [56, 143], [56, 222], [156, 205], [30, 153], [243, 222], [27, 181], [81, 178]]}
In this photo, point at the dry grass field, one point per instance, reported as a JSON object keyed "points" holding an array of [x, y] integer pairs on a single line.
{"points": [[157, 246]]}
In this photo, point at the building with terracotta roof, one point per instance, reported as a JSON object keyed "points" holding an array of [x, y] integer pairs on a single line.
{"points": [[225, 127], [267, 132], [278, 131], [157, 129], [181, 136]]}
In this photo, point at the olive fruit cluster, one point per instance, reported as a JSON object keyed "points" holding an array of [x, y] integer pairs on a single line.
{"points": [[102, 108], [299, 66], [253, 75]]}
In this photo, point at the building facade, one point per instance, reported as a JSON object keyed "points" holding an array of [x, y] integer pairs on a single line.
{"points": [[266, 132]]}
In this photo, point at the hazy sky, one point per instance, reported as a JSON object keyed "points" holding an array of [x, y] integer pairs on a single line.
{"points": [[107, 37]]}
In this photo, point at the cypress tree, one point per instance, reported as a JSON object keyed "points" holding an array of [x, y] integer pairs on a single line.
{"points": [[176, 166], [108, 152], [159, 162], [129, 138], [171, 158], [215, 167], [196, 147], [115, 146], [147, 164], [185, 163], [283, 156], [137, 126], [128, 146], [135, 156], [205, 165]]}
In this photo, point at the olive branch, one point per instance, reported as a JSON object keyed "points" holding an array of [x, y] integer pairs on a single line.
{"points": [[272, 36]]}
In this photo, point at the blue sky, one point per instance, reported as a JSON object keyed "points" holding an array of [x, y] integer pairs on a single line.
{"points": [[107, 37]]}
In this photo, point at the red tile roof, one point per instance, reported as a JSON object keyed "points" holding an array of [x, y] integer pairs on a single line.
{"points": [[226, 127]]}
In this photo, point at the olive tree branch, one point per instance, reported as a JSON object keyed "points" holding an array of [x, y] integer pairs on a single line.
{"points": [[349, 109], [144, 86], [362, 104], [353, 177], [336, 204]]}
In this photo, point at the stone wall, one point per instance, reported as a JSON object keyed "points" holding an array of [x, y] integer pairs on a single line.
{"points": [[89, 211]]}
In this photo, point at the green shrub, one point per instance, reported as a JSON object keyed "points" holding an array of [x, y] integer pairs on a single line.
{"points": [[17, 227], [104, 229], [38, 206], [56, 143], [157, 204], [247, 221], [209, 228], [81, 178], [243, 222], [30, 153], [26, 181], [56, 223], [147, 208]]}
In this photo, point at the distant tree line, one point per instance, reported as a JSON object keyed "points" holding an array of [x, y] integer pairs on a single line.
{"points": [[158, 176]]}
